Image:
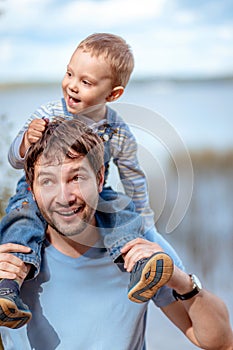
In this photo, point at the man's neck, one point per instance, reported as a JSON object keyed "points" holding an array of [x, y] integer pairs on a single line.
{"points": [[74, 246]]}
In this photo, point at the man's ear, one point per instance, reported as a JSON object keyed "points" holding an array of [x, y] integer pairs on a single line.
{"points": [[33, 195], [115, 93], [100, 178]]}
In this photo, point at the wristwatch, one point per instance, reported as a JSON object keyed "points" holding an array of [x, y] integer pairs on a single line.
{"points": [[196, 289]]}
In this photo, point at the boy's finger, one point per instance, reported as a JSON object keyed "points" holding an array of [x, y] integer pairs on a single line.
{"points": [[46, 120]]}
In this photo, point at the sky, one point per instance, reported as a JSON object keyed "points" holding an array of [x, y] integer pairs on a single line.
{"points": [[169, 38]]}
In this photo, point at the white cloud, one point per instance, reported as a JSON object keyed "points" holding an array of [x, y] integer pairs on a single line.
{"points": [[186, 17], [225, 32], [29, 14], [110, 12], [43, 14], [6, 51], [194, 51], [166, 39]]}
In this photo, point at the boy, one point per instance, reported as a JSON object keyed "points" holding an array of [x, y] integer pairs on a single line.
{"points": [[97, 73]]}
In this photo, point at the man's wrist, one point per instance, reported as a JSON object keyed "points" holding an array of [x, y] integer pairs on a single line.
{"points": [[180, 281], [185, 293], [183, 284]]}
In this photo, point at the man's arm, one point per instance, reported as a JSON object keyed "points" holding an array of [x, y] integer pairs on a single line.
{"points": [[204, 318]]}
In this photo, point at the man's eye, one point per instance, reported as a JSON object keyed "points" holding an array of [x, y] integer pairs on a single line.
{"points": [[46, 182], [68, 73], [78, 178]]}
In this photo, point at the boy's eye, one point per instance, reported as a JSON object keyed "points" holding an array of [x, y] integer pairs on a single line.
{"points": [[85, 82], [68, 73]]}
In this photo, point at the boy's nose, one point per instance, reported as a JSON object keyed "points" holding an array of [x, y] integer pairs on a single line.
{"points": [[74, 86]]}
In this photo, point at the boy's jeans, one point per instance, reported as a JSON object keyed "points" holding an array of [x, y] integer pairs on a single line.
{"points": [[23, 223]]}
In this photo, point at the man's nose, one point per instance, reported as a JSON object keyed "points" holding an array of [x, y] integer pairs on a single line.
{"points": [[65, 194]]}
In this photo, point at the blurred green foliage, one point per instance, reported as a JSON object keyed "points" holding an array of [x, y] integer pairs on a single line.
{"points": [[7, 173]]}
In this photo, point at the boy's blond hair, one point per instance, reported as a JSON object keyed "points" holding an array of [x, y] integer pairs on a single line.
{"points": [[117, 52]]}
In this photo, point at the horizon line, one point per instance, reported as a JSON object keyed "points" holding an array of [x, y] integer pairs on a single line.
{"points": [[145, 79]]}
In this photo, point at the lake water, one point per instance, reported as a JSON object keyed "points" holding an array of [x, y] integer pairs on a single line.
{"points": [[201, 112], [170, 122]]}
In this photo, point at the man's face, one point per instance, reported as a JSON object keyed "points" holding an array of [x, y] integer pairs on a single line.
{"points": [[67, 194]]}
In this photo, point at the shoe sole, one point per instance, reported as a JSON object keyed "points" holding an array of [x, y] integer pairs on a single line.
{"points": [[155, 274], [11, 316]]}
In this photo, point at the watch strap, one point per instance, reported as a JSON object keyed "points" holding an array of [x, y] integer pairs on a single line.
{"points": [[186, 296]]}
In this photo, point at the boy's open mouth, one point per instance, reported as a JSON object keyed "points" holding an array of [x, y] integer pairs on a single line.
{"points": [[72, 100]]}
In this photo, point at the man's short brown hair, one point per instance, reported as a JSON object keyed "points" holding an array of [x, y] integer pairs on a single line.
{"points": [[65, 139]]}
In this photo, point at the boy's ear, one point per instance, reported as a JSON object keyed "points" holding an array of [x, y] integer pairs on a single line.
{"points": [[115, 93]]}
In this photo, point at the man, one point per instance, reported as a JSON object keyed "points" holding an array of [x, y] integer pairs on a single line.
{"points": [[79, 299]]}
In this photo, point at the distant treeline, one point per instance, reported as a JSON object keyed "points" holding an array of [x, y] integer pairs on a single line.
{"points": [[207, 164], [134, 80]]}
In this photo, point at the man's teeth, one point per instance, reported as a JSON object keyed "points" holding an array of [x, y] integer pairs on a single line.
{"points": [[70, 213]]}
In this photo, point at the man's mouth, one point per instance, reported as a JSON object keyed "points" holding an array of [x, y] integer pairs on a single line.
{"points": [[70, 212]]}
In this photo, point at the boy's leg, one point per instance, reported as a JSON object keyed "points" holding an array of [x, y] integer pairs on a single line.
{"points": [[138, 288], [123, 223], [22, 224], [149, 274]]}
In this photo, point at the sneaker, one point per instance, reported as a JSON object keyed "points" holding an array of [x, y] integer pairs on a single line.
{"points": [[13, 312], [148, 275]]}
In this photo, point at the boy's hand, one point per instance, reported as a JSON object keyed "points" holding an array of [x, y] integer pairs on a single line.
{"points": [[137, 249], [35, 130], [33, 134], [12, 267]]}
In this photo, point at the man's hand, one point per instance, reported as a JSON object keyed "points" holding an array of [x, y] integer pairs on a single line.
{"points": [[11, 267], [137, 249]]}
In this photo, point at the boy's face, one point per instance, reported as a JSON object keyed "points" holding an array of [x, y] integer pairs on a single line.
{"points": [[87, 83]]}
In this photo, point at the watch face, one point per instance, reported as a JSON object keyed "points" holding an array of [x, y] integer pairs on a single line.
{"points": [[196, 282]]}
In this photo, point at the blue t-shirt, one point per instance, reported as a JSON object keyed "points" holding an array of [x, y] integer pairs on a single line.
{"points": [[82, 304]]}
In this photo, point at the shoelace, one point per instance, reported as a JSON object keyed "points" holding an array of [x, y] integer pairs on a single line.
{"points": [[6, 291]]}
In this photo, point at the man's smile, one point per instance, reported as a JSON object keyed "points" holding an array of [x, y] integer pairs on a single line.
{"points": [[69, 213]]}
